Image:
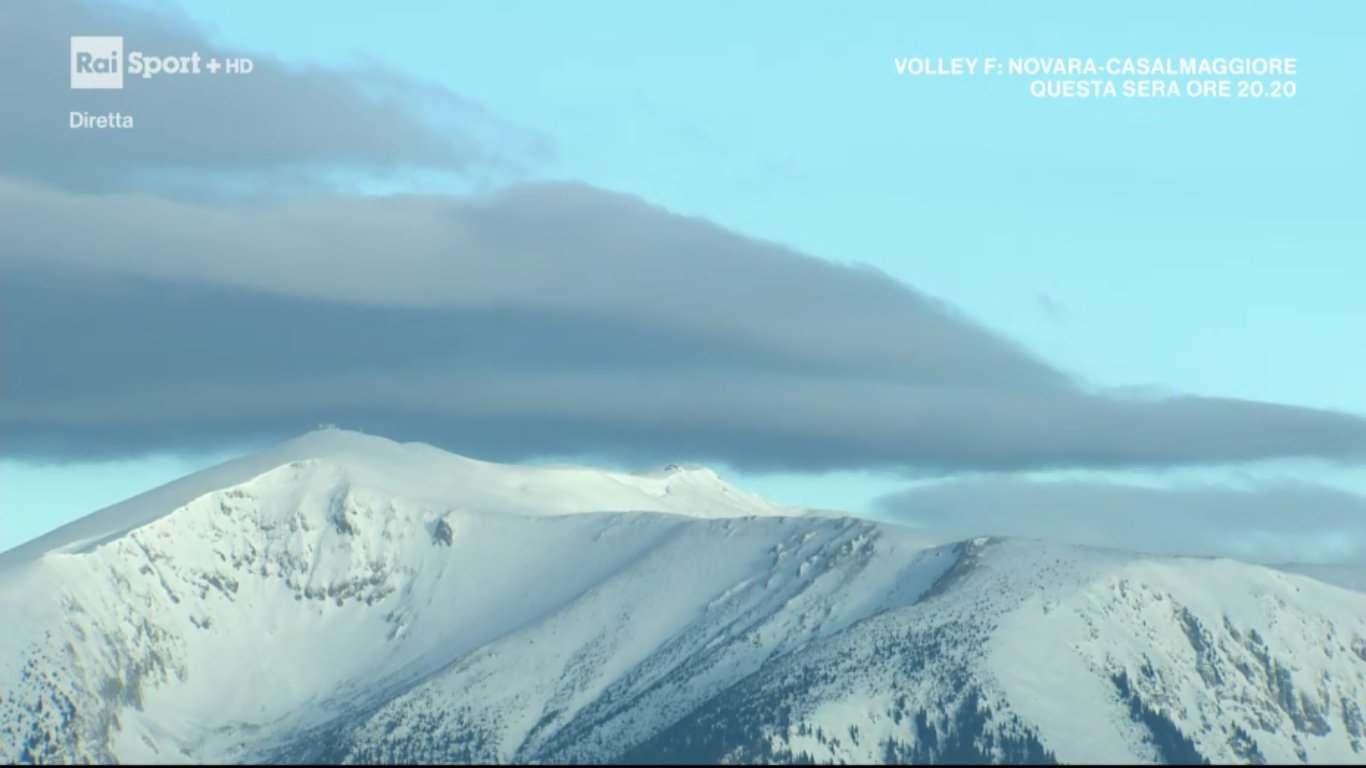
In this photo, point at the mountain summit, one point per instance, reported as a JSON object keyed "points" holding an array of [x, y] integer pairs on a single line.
{"points": [[330, 460], [345, 598]]}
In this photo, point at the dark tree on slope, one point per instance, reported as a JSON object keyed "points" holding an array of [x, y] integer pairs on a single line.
{"points": [[1173, 746], [967, 740]]}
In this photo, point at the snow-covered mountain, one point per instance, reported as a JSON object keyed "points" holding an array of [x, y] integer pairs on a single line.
{"points": [[346, 598]]}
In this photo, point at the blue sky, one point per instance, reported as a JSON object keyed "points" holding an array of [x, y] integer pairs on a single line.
{"points": [[1169, 246]]}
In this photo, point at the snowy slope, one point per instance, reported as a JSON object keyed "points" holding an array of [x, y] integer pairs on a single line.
{"points": [[424, 474], [346, 598]]}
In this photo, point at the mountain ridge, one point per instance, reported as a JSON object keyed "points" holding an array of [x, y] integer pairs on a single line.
{"points": [[362, 600], [409, 467]]}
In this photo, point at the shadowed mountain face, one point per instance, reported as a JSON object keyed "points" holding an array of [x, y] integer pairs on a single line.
{"points": [[342, 598]]}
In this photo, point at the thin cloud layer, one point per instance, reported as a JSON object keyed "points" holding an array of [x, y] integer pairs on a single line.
{"points": [[545, 318], [1281, 523], [282, 126]]}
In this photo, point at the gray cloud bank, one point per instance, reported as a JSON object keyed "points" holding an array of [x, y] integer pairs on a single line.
{"points": [[139, 311], [1279, 523], [545, 318]]}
